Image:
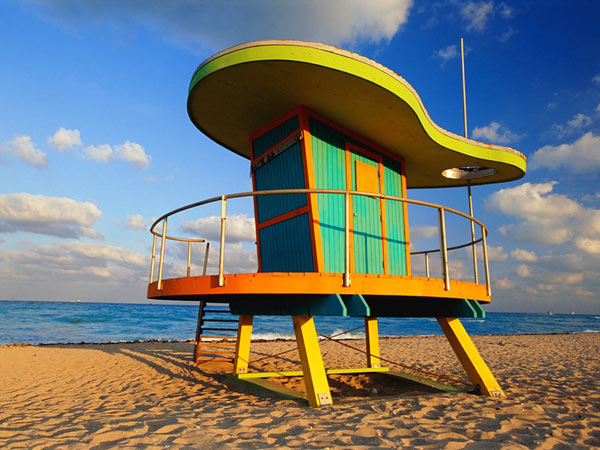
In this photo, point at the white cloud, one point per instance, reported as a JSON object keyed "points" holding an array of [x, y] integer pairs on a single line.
{"points": [[65, 139], [523, 255], [580, 156], [238, 228], [578, 123], [55, 216], [510, 32], [495, 133], [101, 153], [546, 218], [598, 108], [419, 232], [75, 260], [135, 222], [133, 153], [588, 245], [505, 283], [596, 79], [237, 260], [505, 10], [23, 148], [584, 293], [567, 278], [494, 253], [477, 14], [523, 270], [129, 152], [216, 25], [446, 54]]}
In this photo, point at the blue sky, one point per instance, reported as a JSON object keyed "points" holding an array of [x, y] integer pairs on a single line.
{"points": [[95, 141]]}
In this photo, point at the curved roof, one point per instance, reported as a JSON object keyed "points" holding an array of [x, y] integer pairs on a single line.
{"points": [[240, 90]]}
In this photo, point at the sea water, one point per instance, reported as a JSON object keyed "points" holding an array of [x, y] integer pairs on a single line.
{"points": [[25, 322]]}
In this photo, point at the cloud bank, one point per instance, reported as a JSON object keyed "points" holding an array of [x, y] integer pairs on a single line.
{"points": [[213, 24], [54, 216]]}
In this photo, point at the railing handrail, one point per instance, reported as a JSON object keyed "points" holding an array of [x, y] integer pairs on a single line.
{"points": [[312, 191], [443, 250]]}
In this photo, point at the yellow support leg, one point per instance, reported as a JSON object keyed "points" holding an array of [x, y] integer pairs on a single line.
{"points": [[315, 378], [476, 368], [242, 346], [372, 334]]}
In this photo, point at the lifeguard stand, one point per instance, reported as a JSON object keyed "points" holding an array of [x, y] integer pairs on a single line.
{"points": [[334, 141]]}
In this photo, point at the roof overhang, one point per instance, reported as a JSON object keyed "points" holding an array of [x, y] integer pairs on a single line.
{"points": [[240, 90]]}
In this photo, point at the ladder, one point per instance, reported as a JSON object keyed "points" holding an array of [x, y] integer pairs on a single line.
{"points": [[219, 344]]}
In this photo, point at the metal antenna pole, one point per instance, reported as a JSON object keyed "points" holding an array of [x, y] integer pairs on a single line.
{"points": [[462, 57], [474, 247]]}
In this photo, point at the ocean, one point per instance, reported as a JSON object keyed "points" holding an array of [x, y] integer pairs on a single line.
{"points": [[28, 322]]}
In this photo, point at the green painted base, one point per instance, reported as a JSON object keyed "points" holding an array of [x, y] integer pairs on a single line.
{"points": [[354, 306], [261, 381]]}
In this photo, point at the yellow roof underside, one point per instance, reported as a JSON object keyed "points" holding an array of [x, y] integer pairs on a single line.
{"points": [[240, 90]]}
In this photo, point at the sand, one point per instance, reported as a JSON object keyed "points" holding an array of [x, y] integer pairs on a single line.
{"points": [[150, 395]]}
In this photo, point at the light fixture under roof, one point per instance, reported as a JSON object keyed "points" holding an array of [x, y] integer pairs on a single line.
{"points": [[468, 172]]}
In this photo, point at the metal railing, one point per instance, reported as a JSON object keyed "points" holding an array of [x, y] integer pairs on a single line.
{"points": [[443, 250]]}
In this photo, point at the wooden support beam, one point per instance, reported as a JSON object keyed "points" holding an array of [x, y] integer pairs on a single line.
{"points": [[199, 331], [476, 368], [372, 338], [315, 378], [242, 349]]}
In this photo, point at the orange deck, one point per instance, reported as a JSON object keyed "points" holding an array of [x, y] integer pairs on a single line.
{"points": [[189, 288]]}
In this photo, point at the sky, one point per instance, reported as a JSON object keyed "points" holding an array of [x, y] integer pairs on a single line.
{"points": [[95, 141]]}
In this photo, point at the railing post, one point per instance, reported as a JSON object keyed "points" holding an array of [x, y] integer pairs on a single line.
{"points": [[347, 240], [163, 244], [189, 260], [443, 249], [153, 257], [485, 262], [222, 249], [205, 258], [427, 264], [474, 246]]}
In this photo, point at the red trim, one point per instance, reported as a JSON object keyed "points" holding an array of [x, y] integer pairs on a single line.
{"points": [[283, 217], [263, 130], [353, 135]]}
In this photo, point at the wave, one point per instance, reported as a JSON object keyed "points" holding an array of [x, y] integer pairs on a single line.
{"points": [[271, 336]]}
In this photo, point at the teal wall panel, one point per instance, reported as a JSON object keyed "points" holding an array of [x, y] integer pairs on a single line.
{"points": [[330, 173], [267, 140], [394, 217], [286, 246], [285, 171]]}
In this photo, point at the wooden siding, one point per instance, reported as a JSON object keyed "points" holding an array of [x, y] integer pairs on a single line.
{"points": [[330, 173], [285, 171], [394, 214], [366, 223], [275, 135], [329, 162], [286, 246]]}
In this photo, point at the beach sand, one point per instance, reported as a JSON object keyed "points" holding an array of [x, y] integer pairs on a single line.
{"points": [[150, 395]]}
